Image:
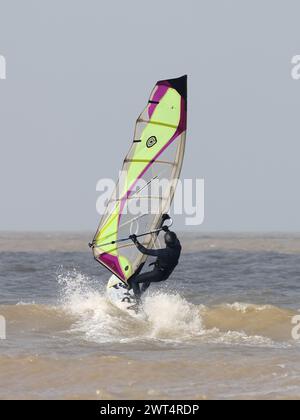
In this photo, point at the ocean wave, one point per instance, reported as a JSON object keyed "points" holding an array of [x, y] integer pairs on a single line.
{"points": [[82, 308], [254, 320]]}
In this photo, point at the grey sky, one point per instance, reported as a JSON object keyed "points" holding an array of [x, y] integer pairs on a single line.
{"points": [[79, 73]]}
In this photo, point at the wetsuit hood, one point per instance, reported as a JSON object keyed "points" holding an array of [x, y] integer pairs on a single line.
{"points": [[170, 239]]}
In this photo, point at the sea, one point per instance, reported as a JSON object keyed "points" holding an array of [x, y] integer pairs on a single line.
{"points": [[224, 326]]}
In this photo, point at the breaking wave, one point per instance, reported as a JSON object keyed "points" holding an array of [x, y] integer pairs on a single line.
{"points": [[84, 310]]}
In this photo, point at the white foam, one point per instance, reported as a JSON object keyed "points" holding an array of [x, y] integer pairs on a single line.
{"points": [[171, 316], [93, 313], [238, 338], [246, 307], [21, 303]]}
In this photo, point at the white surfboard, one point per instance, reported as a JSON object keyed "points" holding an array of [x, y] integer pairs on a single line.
{"points": [[119, 295]]}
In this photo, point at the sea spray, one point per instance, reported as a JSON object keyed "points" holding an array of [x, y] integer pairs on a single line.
{"points": [[171, 316], [94, 315]]}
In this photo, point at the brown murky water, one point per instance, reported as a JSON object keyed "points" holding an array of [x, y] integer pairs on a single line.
{"points": [[220, 328]]}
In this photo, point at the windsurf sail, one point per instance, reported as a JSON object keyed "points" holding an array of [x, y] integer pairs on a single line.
{"points": [[156, 154]]}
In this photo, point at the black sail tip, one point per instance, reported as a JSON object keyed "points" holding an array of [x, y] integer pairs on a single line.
{"points": [[179, 83]]}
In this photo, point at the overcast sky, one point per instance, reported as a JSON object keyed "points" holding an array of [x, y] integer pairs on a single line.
{"points": [[80, 72]]}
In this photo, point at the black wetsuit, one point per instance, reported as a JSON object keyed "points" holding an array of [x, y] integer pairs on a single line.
{"points": [[167, 259]]}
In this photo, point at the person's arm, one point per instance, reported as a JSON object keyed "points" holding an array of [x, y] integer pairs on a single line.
{"points": [[146, 251]]}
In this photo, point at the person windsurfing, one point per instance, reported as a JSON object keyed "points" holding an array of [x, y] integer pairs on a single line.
{"points": [[166, 260]]}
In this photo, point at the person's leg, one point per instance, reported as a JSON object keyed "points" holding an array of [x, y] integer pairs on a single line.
{"points": [[145, 279], [145, 286], [134, 285]]}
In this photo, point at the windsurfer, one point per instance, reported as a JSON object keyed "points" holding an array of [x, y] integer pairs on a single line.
{"points": [[166, 260]]}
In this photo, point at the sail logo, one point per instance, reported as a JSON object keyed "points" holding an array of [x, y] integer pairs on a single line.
{"points": [[2, 328], [151, 141], [295, 73], [2, 67], [296, 329]]}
